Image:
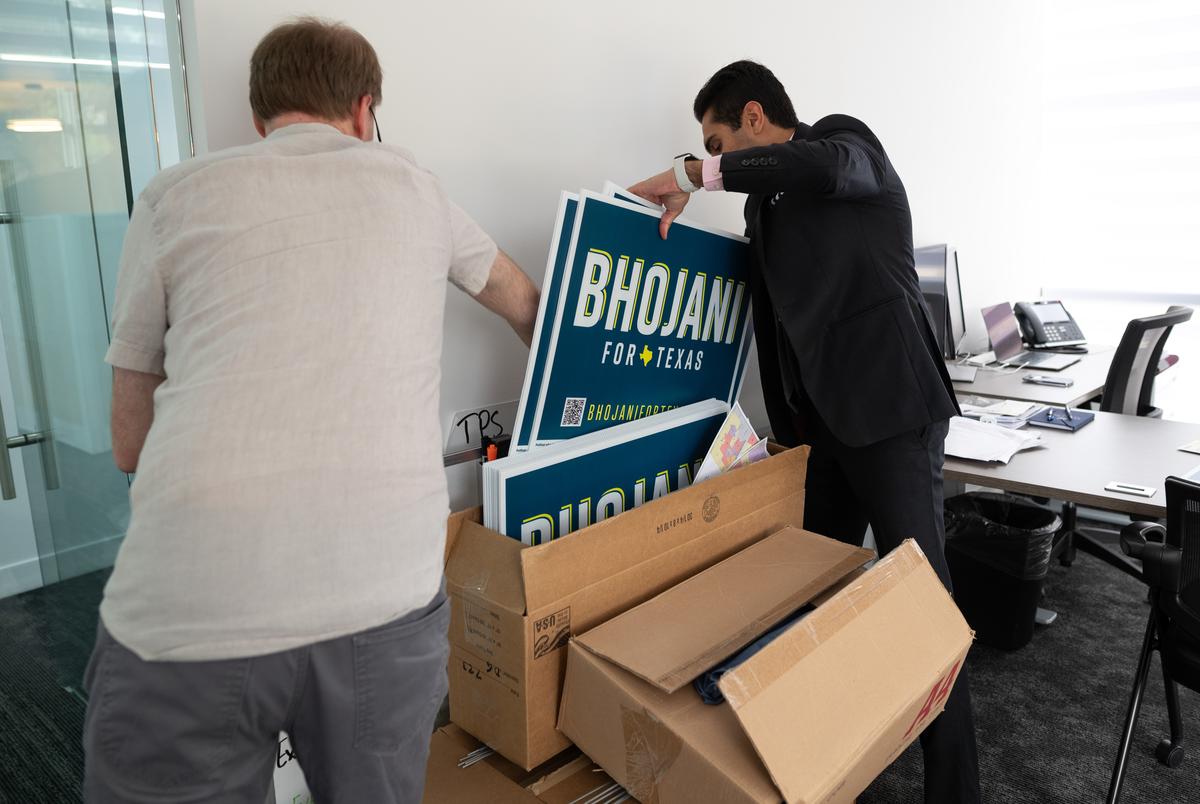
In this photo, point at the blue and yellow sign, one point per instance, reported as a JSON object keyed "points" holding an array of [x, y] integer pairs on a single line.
{"points": [[642, 325]]}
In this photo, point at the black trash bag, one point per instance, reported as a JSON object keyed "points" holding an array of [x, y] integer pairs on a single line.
{"points": [[1002, 531]]}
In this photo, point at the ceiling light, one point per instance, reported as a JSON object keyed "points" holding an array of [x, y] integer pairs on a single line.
{"points": [[34, 125], [154, 65], [36, 59], [137, 12]]}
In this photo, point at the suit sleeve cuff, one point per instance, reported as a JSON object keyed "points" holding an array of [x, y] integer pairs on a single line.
{"points": [[710, 173]]}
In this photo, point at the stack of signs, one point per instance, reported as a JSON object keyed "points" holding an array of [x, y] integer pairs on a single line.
{"points": [[736, 445], [545, 494], [631, 325]]}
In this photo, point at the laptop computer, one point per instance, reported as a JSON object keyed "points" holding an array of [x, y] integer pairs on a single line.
{"points": [[1005, 335]]}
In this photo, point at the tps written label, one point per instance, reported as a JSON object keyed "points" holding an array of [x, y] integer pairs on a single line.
{"points": [[465, 429]]}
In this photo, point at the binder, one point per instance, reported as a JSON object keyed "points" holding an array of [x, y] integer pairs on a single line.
{"points": [[1062, 418]]}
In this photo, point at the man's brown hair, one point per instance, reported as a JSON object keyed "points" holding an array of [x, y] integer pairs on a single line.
{"points": [[313, 66]]}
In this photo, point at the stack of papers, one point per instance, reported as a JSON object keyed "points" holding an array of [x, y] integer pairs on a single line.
{"points": [[978, 441], [735, 445], [629, 324], [544, 494], [1011, 413]]}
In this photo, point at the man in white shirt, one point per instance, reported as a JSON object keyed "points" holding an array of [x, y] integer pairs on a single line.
{"points": [[276, 348]]}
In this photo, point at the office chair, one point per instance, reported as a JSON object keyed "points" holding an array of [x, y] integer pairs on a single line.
{"points": [[1129, 390], [1170, 559], [1130, 383]]}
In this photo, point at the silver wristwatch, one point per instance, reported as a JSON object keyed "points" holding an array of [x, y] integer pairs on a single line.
{"points": [[681, 177]]}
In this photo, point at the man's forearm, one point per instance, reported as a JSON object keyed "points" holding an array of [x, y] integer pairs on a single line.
{"points": [[132, 414], [510, 294]]}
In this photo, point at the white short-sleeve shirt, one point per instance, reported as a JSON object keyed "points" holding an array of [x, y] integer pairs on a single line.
{"points": [[291, 487]]}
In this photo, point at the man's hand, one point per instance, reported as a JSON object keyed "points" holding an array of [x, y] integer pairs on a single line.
{"points": [[663, 190]]}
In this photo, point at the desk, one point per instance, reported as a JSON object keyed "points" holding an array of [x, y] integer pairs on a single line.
{"points": [[1075, 467], [1089, 374]]}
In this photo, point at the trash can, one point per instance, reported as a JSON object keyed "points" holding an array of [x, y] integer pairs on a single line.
{"points": [[998, 550]]}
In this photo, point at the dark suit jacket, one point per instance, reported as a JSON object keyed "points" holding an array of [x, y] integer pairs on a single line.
{"points": [[831, 237]]}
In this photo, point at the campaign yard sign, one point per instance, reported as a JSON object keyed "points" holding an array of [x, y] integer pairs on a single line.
{"points": [[548, 493], [643, 325], [614, 190], [560, 243]]}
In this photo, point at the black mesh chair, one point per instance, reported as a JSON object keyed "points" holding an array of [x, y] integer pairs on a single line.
{"points": [[1129, 389], [1170, 559], [1130, 383]]}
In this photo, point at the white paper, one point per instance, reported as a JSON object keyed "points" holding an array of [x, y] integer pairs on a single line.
{"points": [[290, 785], [1014, 408], [977, 441]]}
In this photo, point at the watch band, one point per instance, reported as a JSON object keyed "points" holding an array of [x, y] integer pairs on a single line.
{"points": [[681, 177]]}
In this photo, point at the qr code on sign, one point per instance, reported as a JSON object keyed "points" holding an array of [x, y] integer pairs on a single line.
{"points": [[573, 411]]}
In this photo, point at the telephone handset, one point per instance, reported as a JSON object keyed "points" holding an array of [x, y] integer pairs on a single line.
{"points": [[1047, 323]]}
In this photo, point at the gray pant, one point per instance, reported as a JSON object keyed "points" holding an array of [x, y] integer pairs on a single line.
{"points": [[359, 710]]}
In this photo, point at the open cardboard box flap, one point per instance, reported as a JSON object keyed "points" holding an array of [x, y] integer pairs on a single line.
{"points": [[886, 642], [514, 607], [812, 718], [523, 579], [491, 567], [716, 612]]}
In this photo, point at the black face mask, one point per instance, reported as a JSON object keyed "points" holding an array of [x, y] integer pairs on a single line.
{"points": [[378, 136]]}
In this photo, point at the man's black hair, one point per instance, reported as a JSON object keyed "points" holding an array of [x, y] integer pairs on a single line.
{"points": [[735, 85]]}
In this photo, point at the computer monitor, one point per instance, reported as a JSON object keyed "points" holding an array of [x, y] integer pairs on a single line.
{"points": [[937, 271]]}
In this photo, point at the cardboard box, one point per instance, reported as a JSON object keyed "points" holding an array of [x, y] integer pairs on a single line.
{"points": [[514, 607], [571, 777], [813, 717]]}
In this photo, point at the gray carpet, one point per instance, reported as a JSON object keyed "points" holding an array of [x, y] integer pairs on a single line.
{"points": [[46, 638], [1048, 715]]}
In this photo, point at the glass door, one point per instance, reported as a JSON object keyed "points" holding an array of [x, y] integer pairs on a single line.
{"points": [[91, 107]]}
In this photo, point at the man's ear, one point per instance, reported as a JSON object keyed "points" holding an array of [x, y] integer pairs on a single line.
{"points": [[259, 126], [364, 127], [753, 118]]}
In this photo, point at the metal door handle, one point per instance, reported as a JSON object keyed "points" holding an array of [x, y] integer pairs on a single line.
{"points": [[37, 383], [8, 487]]}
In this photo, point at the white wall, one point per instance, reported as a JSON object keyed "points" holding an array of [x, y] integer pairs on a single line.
{"points": [[511, 102]]}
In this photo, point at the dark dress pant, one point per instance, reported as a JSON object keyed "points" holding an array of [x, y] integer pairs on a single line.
{"points": [[895, 486]]}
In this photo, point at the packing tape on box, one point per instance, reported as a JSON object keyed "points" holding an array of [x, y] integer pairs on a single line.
{"points": [[650, 751], [829, 618], [477, 582]]}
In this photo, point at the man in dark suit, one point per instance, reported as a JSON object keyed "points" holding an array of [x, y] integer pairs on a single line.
{"points": [[848, 359]]}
